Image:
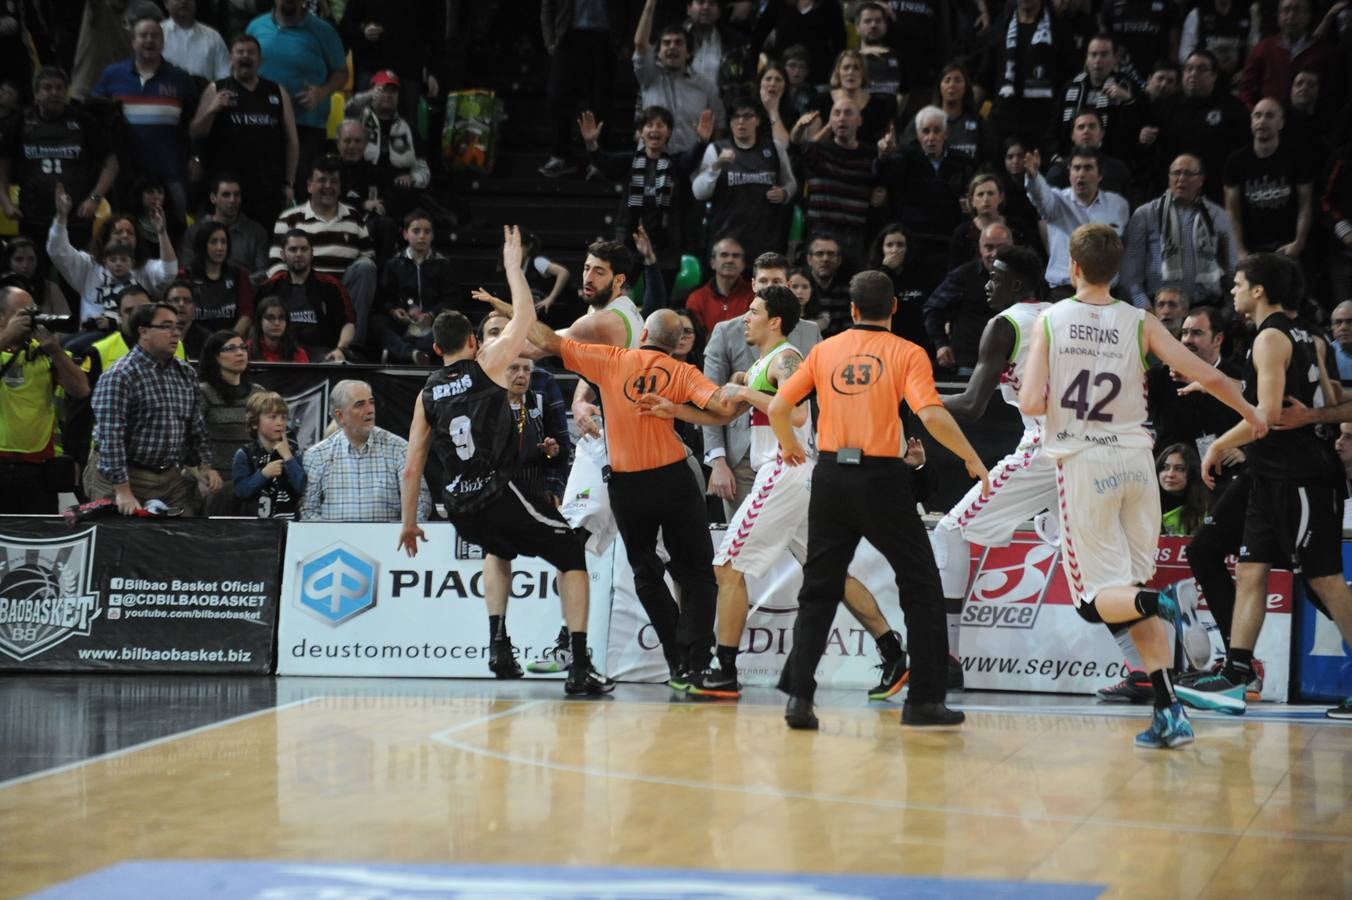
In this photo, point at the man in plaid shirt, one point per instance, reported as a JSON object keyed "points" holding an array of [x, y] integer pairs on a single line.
{"points": [[148, 421], [353, 475]]}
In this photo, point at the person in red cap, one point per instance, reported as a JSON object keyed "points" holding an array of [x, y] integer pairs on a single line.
{"points": [[390, 143]]}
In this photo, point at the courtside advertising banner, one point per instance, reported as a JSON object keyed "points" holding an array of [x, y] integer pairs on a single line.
{"points": [[354, 604], [142, 595], [851, 657], [1020, 630]]}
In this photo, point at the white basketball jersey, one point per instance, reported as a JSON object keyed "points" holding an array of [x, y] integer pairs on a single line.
{"points": [[1096, 383], [764, 444], [623, 307], [1023, 316]]}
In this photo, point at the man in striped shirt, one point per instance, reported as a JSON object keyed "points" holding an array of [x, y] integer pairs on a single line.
{"points": [[342, 246], [158, 99], [839, 174]]}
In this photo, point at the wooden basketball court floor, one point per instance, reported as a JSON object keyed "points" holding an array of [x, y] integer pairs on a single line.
{"points": [[1033, 791]]}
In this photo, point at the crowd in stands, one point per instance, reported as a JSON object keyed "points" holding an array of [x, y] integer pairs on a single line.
{"points": [[169, 174]]}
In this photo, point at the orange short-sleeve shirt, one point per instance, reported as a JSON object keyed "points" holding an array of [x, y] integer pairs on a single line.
{"points": [[861, 376], [638, 443]]}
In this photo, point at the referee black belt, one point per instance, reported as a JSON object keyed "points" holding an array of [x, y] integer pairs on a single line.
{"points": [[147, 468], [830, 456]]}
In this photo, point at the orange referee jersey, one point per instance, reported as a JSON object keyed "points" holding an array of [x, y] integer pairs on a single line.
{"points": [[638, 443], [861, 376]]}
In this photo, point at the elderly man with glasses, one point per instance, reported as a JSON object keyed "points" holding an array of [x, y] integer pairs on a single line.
{"points": [[1180, 238], [148, 422]]}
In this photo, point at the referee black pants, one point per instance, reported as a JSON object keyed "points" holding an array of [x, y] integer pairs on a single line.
{"points": [[667, 499], [872, 501]]}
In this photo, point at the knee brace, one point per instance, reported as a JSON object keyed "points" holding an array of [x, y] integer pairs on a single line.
{"points": [[953, 559], [1089, 612]]}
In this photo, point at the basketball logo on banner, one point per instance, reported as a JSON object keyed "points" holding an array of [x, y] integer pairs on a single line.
{"points": [[46, 592]]}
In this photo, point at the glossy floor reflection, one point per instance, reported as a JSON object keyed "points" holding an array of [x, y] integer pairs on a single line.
{"points": [[1032, 788]]}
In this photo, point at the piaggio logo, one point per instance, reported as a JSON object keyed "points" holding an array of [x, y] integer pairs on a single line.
{"points": [[46, 592], [337, 583], [1010, 586]]}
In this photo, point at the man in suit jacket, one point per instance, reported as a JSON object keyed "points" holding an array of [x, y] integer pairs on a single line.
{"points": [[727, 447]]}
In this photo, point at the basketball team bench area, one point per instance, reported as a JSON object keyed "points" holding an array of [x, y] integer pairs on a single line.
{"points": [[189, 708]]}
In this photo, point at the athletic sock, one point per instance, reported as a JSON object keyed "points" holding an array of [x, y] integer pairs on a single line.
{"points": [[1122, 635], [579, 641], [1148, 603], [1238, 666], [727, 660], [889, 646], [1164, 689], [954, 619], [497, 627]]}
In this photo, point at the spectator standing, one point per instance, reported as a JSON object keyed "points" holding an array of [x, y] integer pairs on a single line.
{"points": [[925, 184], [749, 182], [1180, 238], [342, 246], [1066, 209], [56, 142], [967, 131], [354, 474], [304, 55], [317, 304], [1032, 56], [887, 78], [583, 38], [839, 175], [1269, 189], [1146, 30], [149, 423], [193, 46], [157, 99], [1103, 89], [1274, 61], [849, 79], [246, 126], [1222, 27], [32, 366], [818, 27], [665, 79], [719, 54], [1204, 119], [267, 472], [248, 239]]}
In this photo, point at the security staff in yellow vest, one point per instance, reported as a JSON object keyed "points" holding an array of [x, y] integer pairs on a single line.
{"points": [[32, 365]]}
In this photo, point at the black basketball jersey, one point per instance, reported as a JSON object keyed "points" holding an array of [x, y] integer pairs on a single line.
{"points": [[66, 149], [1297, 454], [248, 138], [739, 205], [473, 433], [277, 501]]}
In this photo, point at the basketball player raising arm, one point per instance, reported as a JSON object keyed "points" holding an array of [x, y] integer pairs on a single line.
{"points": [[494, 359]]}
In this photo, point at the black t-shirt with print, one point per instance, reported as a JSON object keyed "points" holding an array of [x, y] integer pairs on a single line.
{"points": [[1269, 199]]}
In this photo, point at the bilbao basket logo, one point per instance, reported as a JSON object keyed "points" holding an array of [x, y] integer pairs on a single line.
{"points": [[46, 592], [1010, 586], [336, 584]]}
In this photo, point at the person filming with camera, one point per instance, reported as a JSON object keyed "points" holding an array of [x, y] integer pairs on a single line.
{"points": [[32, 365]]}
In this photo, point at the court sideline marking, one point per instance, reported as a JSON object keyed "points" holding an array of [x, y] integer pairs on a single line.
{"points": [[153, 742], [443, 737]]}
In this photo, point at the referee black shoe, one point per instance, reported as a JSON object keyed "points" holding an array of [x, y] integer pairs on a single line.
{"points": [[935, 713], [895, 675], [585, 681], [799, 714], [502, 659]]}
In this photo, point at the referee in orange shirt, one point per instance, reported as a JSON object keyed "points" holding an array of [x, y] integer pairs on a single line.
{"points": [[651, 486], [862, 489]]}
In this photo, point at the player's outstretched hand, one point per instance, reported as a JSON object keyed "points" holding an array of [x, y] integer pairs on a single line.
{"points": [[1294, 414], [499, 305], [512, 253], [977, 469], [657, 406], [409, 538]]}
